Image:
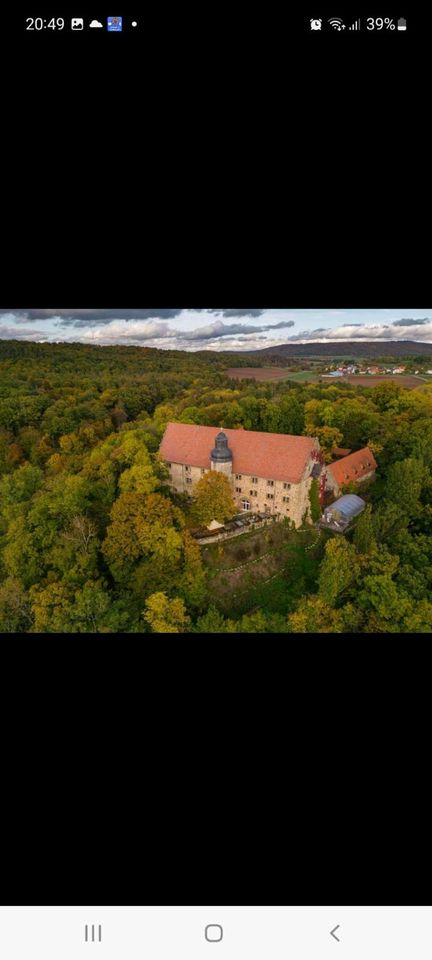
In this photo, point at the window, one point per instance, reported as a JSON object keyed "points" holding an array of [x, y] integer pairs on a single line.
{"points": [[270, 483], [253, 493], [285, 499], [169, 466], [238, 476], [188, 479], [254, 479], [287, 486], [270, 496], [238, 489], [202, 471], [188, 469], [245, 505]]}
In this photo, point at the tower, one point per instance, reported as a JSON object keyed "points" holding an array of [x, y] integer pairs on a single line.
{"points": [[221, 455]]}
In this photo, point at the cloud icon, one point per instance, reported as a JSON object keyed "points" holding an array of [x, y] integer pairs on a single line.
{"points": [[95, 23]]}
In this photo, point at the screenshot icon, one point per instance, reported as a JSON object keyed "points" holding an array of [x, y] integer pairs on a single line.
{"points": [[115, 24], [77, 23]]}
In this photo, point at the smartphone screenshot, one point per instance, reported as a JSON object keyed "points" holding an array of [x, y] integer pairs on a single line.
{"points": [[215, 482]]}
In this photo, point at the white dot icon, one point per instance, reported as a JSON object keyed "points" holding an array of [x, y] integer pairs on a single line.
{"points": [[134, 23]]}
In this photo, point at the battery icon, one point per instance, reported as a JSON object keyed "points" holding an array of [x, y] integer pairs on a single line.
{"points": [[401, 24]]}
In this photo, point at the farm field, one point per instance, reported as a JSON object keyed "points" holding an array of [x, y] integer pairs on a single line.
{"points": [[269, 373], [409, 381]]}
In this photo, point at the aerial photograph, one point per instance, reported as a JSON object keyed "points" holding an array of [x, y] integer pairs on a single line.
{"points": [[215, 470]]}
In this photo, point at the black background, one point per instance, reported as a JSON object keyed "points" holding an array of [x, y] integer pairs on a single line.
{"points": [[215, 159]]}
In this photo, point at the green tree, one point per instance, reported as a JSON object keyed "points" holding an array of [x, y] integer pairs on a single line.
{"points": [[314, 501], [214, 499], [18, 487], [212, 621], [404, 484], [339, 569], [314, 615], [15, 607], [165, 615], [364, 536], [388, 607], [192, 582], [51, 607], [329, 438]]}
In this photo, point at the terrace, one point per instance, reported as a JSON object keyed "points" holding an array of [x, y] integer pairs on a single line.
{"points": [[242, 523]]}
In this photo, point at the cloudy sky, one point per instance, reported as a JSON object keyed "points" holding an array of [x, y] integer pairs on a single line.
{"points": [[229, 329]]}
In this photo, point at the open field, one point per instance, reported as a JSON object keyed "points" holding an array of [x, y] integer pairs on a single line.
{"points": [[303, 376], [409, 381], [270, 373], [270, 567]]}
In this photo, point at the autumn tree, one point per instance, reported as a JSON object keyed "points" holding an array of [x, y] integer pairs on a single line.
{"points": [[165, 615], [144, 540], [314, 615], [213, 499]]}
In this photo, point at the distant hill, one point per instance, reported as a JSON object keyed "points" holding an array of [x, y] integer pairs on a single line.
{"points": [[345, 348]]}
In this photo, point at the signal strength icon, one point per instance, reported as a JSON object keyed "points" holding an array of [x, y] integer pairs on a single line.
{"points": [[355, 26], [336, 23]]}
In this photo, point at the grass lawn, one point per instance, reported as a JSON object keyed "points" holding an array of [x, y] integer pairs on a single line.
{"points": [[269, 568], [303, 376]]}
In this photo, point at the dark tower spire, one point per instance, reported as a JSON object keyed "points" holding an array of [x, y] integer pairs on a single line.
{"points": [[221, 452]]}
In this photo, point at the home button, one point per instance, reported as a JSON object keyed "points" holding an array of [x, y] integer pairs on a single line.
{"points": [[213, 932]]}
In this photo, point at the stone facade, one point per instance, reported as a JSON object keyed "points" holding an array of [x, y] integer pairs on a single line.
{"points": [[253, 493], [334, 487]]}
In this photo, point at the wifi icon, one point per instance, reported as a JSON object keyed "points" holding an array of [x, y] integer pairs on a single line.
{"points": [[336, 23]]}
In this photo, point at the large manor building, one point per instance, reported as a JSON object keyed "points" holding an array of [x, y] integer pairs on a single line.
{"points": [[269, 472]]}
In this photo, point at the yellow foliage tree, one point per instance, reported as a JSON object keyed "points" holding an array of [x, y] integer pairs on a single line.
{"points": [[214, 499], [165, 615]]}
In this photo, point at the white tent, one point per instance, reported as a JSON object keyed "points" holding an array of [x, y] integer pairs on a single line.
{"points": [[214, 525]]}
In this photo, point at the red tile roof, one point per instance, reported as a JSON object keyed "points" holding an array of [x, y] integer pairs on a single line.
{"points": [[274, 456], [354, 467], [340, 452]]}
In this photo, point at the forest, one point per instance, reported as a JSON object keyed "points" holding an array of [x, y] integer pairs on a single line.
{"points": [[92, 540]]}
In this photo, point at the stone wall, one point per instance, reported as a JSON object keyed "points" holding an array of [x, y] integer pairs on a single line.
{"points": [[262, 496]]}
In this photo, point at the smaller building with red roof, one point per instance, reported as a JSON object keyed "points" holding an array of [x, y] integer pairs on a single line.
{"points": [[358, 466]]}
